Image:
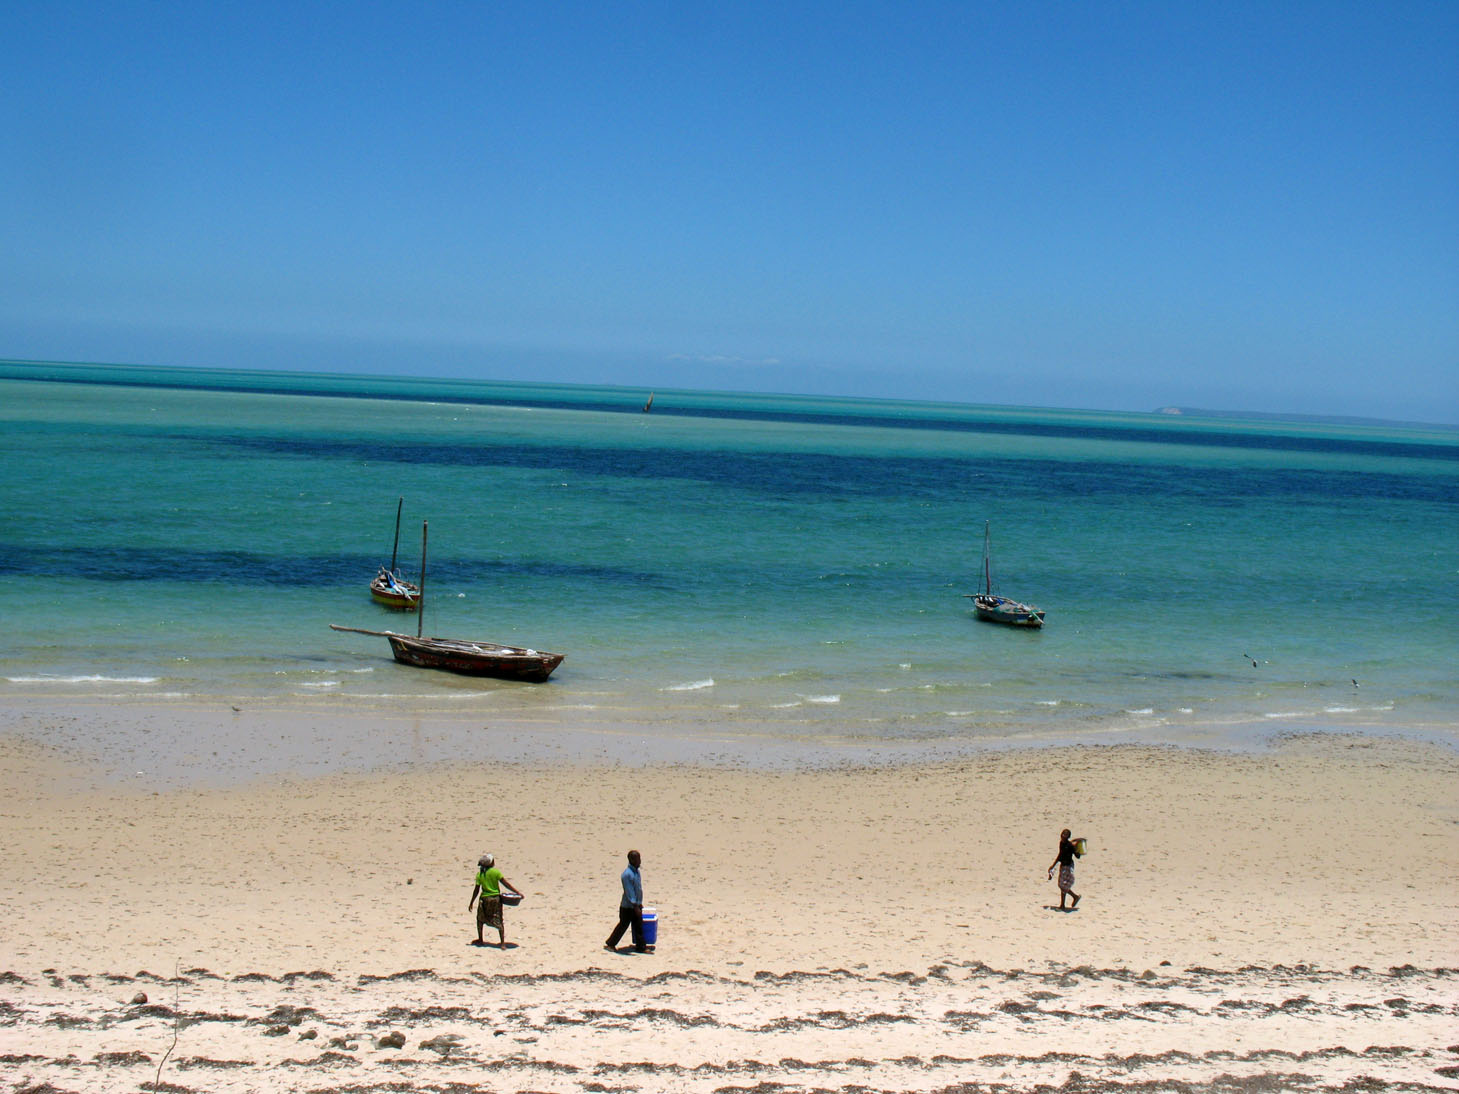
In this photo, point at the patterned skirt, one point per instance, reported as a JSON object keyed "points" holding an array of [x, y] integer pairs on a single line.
{"points": [[489, 911], [1066, 877]]}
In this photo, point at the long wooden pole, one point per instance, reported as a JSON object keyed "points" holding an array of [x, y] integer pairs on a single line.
{"points": [[987, 561], [420, 613], [362, 630], [396, 549]]}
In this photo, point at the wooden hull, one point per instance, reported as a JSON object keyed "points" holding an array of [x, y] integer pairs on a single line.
{"points": [[402, 596], [474, 658], [999, 609]]}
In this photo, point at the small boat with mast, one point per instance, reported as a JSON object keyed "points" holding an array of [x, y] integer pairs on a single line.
{"points": [[459, 655], [988, 606], [388, 587]]}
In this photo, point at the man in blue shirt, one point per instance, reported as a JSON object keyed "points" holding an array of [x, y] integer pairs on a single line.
{"points": [[630, 908]]}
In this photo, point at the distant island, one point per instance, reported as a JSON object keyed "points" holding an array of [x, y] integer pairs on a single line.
{"points": [[1316, 419]]}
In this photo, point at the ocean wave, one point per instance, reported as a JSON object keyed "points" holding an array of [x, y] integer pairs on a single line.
{"points": [[693, 685], [89, 679], [821, 699], [426, 697]]}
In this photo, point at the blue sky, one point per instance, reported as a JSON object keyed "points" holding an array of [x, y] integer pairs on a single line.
{"points": [[1104, 205]]}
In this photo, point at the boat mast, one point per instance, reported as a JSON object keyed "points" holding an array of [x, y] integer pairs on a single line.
{"points": [[396, 549], [987, 561], [420, 611]]}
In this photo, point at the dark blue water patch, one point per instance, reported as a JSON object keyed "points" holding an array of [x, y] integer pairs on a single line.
{"points": [[713, 405], [828, 474], [1275, 442], [245, 568]]}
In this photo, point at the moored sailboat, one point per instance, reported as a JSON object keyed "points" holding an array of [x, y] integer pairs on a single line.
{"points": [[993, 608], [388, 587]]}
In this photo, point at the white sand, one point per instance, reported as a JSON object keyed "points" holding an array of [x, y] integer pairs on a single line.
{"points": [[1258, 917]]}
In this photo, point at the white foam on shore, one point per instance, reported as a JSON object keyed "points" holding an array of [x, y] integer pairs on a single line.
{"points": [[693, 685], [821, 699], [91, 679]]}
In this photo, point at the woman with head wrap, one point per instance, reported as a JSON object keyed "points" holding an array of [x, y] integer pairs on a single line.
{"points": [[488, 886]]}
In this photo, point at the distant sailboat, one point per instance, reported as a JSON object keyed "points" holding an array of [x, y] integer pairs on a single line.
{"points": [[388, 587], [1000, 609]]}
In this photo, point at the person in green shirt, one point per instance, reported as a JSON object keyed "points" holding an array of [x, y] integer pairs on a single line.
{"points": [[488, 886]]}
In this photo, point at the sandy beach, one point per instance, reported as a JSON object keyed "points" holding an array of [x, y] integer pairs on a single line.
{"points": [[1282, 919]]}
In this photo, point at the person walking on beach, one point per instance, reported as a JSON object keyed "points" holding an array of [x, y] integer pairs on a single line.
{"points": [[1065, 862], [488, 886], [630, 908]]}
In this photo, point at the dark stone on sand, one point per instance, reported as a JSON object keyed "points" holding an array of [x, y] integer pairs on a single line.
{"points": [[276, 1031], [309, 1035], [140, 999], [391, 1040]]}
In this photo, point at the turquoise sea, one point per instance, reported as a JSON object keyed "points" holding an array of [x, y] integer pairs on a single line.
{"points": [[761, 568]]}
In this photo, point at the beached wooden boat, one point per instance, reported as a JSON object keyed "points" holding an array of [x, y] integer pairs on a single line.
{"points": [[993, 608], [388, 587], [465, 656]]}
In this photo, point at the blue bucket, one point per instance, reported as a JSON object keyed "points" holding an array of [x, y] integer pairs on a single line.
{"points": [[650, 927]]}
